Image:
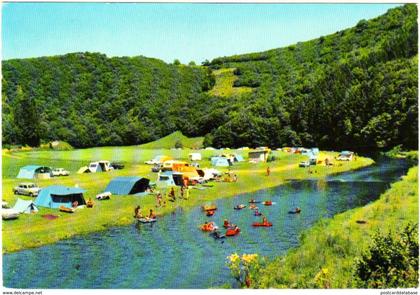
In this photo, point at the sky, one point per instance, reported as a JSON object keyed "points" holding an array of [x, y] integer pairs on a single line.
{"points": [[184, 31]]}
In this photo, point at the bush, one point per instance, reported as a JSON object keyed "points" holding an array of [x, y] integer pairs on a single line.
{"points": [[178, 144], [271, 158], [390, 262]]}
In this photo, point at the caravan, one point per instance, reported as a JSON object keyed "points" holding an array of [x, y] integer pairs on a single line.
{"points": [[173, 165]]}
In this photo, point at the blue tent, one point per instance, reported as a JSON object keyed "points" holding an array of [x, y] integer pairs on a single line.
{"points": [[165, 179], [220, 161], [55, 196], [127, 185], [239, 158], [315, 151], [30, 171]]}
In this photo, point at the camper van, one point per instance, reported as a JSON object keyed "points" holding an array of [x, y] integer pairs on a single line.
{"points": [[100, 166], [173, 165]]}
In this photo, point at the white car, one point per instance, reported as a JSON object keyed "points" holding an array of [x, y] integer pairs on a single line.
{"points": [[59, 172], [7, 214], [304, 164], [26, 188], [345, 156]]}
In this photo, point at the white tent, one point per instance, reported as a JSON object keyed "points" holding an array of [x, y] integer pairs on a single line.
{"points": [[211, 173], [195, 156], [23, 206]]}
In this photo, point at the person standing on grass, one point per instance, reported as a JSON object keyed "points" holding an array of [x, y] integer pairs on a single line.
{"points": [[137, 211], [171, 195], [268, 171], [159, 199], [182, 192]]}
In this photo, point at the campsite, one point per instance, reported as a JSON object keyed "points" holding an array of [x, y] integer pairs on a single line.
{"points": [[118, 211]]}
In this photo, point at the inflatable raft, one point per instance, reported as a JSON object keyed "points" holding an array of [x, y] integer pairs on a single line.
{"points": [[146, 220], [66, 210], [210, 213], [264, 224], [232, 231], [208, 227], [209, 208]]}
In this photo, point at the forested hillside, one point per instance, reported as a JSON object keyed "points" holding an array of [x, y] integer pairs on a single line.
{"points": [[356, 88], [88, 99]]}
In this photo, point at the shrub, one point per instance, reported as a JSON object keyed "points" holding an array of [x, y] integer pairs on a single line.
{"points": [[244, 269], [390, 262], [178, 144]]}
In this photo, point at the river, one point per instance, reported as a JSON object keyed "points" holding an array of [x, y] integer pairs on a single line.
{"points": [[174, 253]]}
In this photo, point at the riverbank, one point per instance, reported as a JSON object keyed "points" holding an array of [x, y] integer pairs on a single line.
{"points": [[33, 231], [326, 255]]}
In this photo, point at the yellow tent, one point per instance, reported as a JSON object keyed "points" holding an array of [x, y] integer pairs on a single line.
{"points": [[83, 169]]}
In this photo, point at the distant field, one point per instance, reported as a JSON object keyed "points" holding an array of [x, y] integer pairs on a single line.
{"points": [[170, 140], [224, 84]]}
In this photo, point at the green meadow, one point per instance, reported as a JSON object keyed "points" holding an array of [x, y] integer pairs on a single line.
{"points": [[31, 230], [223, 87]]}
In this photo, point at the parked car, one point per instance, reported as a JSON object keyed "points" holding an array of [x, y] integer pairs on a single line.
{"points": [[157, 167], [26, 188], [117, 165], [7, 214], [59, 172], [345, 156], [304, 164], [158, 159]]}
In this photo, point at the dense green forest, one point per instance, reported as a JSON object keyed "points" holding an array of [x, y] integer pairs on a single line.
{"points": [[356, 88], [88, 99]]}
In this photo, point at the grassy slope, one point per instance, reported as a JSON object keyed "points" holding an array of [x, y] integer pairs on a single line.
{"points": [[335, 243], [169, 141], [32, 230], [224, 84]]}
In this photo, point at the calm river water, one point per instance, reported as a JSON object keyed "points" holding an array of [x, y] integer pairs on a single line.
{"points": [[174, 253]]}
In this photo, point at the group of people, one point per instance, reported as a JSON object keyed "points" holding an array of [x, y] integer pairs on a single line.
{"points": [[161, 202], [184, 194], [138, 214]]}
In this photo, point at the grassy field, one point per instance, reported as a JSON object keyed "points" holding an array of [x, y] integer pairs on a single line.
{"points": [[338, 241], [224, 84], [33, 230], [170, 140]]}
